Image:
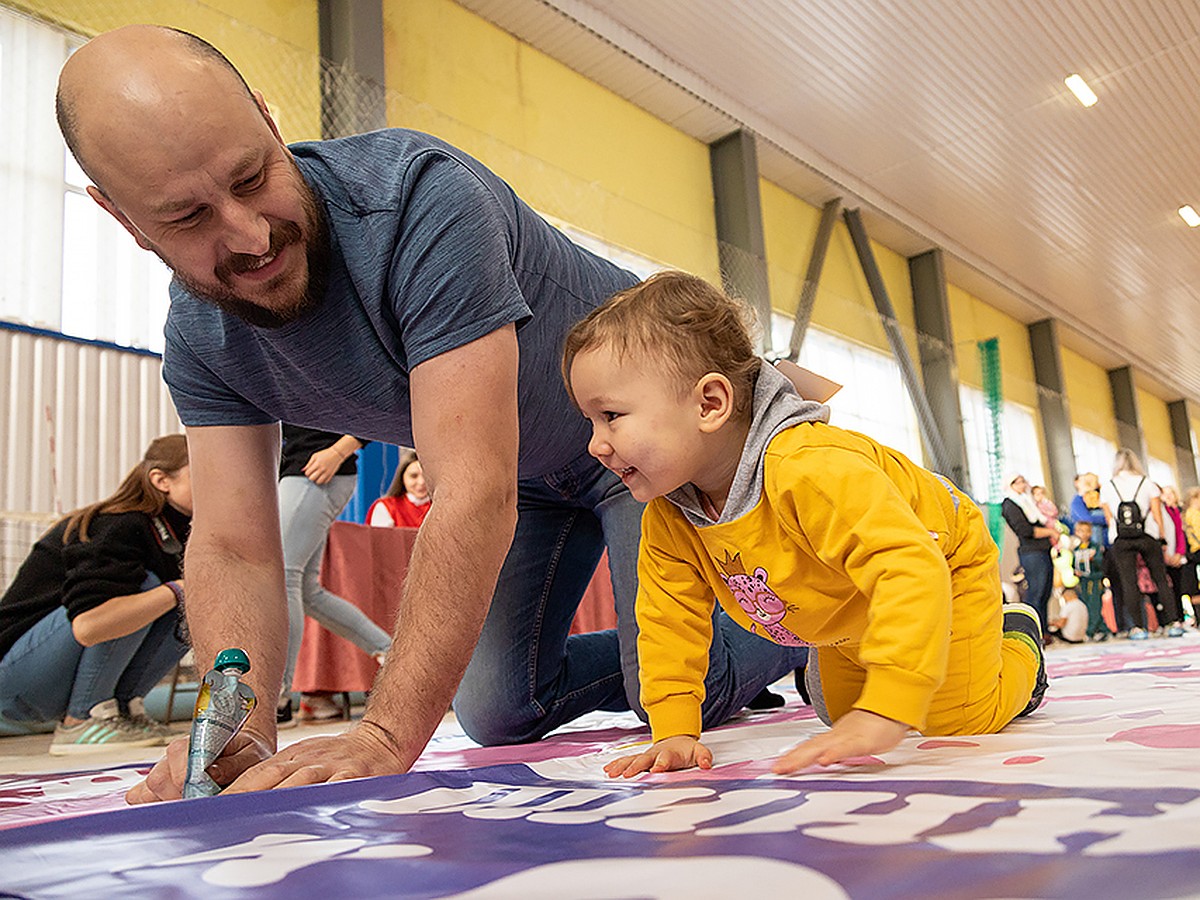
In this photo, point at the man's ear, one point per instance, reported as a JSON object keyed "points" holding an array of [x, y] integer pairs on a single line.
{"points": [[715, 395], [111, 208], [261, 102]]}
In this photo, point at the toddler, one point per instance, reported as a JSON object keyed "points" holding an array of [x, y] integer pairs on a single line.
{"points": [[806, 534]]}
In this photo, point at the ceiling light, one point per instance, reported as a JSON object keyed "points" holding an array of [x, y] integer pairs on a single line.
{"points": [[1079, 88], [1190, 216]]}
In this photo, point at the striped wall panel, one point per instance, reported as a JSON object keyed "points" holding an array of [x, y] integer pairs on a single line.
{"points": [[74, 417]]}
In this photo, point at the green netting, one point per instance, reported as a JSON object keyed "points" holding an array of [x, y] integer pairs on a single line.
{"points": [[989, 364]]}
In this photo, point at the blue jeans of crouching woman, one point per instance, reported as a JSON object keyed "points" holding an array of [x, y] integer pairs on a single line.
{"points": [[48, 674]]}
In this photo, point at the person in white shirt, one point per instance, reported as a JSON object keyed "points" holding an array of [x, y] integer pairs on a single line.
{"points": [[1138, 534]]}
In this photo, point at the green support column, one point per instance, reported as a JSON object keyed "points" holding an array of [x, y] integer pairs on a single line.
{"points": [[353, 77], [1185, 444], [740, 244], [939, 363], [1052, 404]]}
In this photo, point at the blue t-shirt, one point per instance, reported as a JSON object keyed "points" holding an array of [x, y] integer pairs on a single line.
{"points": [[429, 251]]}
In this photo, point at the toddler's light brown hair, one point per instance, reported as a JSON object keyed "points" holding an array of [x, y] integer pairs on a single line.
{"points": [[677, 321]]}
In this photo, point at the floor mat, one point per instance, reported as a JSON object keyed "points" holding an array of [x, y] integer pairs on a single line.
{"points": [[1095, 795]]}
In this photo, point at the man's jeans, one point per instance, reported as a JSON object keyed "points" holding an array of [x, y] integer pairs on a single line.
{"points": [[306, 513], [528, 676], [47, 673]]}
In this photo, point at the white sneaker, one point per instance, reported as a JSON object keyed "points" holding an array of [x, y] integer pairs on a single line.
{"points": [[103, 729], [138, 718]]}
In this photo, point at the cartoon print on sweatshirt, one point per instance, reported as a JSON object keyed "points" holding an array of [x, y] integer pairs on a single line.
{"points": [[759, 602]]}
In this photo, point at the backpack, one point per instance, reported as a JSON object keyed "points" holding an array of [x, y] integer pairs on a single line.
{"points": [[1130, 521]]}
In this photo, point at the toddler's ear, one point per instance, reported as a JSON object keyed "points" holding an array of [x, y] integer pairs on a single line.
{"points": [[714, 394]]}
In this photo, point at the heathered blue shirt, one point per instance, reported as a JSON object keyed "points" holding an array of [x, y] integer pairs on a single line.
{"points": [[430, 251]]}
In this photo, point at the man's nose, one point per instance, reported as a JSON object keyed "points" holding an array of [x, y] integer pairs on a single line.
{"points": [[246, 229]]}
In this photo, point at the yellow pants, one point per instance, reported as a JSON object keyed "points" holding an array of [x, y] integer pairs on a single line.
{"points": [[989, 678]]}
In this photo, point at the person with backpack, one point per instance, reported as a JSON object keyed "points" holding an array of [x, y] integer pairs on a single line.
{"points": [[1133, 507]]}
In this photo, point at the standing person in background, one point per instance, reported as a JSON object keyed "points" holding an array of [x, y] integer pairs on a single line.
{"points": [[1175, 553], [1049, 510], [1191, 530], [1088, 560], [92, 620], [1085, 506], [317, 474], [1034, 534], [1137, 530], [407, 499]]}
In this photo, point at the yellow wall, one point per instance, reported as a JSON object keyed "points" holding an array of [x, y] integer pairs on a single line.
{"points": [[569, 147], [844, 304], [1090, 396], [973, 321], [1156, 427], [274, 43]]}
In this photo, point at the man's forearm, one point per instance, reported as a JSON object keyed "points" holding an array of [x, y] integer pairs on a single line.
{"points": [[235, 601], [448, 589]]}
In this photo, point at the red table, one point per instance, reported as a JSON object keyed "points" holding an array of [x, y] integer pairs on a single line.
{"points": [[367, 566]]}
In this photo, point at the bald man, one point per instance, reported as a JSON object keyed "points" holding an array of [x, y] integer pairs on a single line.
{"points": [[387, 286]]}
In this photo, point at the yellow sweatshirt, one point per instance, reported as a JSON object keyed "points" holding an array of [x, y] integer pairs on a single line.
{"points": [[847, 545], [1191, 522]]}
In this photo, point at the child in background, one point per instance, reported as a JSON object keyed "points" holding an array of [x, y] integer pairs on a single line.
{"points": [[1049, 511], [407, 499], [806, 534], [1072, 620], [1089, 569]]}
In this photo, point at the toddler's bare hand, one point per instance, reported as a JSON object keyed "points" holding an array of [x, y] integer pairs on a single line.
{"points": [[678, 752], [857, 733]]}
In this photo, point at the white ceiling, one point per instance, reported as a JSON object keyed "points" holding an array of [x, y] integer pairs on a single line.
{"points": [[948, 122]]}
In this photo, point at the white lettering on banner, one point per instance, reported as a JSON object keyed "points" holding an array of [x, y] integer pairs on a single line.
{"points": [[835, 816], [1175, 829], [269, 858], [682, 818], [662, 879], [445, 800], [829, 815], [1026, 832]]}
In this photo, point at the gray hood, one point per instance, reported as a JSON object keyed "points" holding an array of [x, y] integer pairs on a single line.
{"points": [[776, 406]]}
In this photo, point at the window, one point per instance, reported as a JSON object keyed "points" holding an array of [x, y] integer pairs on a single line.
{"points": [[873, 398], [1093, 453], [68, 265], [641, 266], [1020, 450], [1161, 472]]}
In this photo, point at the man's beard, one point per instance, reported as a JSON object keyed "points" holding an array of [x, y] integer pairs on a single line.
{"points": [[294, 307]]}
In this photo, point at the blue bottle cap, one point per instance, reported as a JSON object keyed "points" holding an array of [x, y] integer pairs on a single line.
{"points": [[233, 658]]}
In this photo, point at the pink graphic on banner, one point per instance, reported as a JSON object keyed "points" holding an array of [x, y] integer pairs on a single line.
{"points": [[1163, 737]]}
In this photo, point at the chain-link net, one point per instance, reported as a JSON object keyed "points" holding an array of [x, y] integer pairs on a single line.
{"points": [[18, 533]]}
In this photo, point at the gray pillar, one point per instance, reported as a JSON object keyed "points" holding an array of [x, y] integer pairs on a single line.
{"points": [[740, 245], [1052, 404], [931, 436], [812, 278], [939, 363], [1125, 405], [353, 78], [1185, 448]]}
